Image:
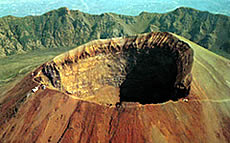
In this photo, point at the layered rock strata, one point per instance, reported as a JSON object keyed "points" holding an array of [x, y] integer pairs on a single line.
{"points": [[148, 68]]}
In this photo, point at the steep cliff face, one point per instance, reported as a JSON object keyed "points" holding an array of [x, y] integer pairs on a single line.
{"points": [[75, 107], [155, 63]]}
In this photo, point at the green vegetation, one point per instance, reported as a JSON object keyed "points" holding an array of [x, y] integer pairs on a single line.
{"points": [[15, 67], [62, 27]]}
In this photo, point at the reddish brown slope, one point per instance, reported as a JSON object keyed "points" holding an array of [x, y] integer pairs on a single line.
{"points": [[53, 116]]}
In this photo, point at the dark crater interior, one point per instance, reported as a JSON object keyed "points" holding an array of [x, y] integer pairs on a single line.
{"points": [[151, 79], [154, 73]]}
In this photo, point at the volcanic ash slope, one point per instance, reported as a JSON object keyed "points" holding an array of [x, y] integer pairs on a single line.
{"points": [[122, 90]]}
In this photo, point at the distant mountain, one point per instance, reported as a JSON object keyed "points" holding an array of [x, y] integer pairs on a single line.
{"points": [[127, 7], [63, 27]]}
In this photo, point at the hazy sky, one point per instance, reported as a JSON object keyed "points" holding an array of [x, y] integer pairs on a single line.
{"points": [[127, 7]]}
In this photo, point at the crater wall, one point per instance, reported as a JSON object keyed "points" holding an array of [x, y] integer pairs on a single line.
{"points": [[147, 68]]}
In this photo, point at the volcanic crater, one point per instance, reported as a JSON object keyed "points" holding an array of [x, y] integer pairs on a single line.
{"points": [[149, 68]]}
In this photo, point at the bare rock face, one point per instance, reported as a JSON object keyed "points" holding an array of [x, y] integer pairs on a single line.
{"points": [[149, 68]]}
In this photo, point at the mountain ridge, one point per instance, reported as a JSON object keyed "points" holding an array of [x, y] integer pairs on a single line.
{"points": [[64, 27]]}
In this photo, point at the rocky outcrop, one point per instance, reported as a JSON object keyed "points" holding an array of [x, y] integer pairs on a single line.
{"points": [[155, 63], [52, 73]]}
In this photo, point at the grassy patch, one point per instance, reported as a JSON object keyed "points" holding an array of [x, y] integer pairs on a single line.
{"points": [[16, 66]]}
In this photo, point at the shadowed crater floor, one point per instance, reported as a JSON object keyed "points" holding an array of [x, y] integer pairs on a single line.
{"points": [[150, 68], [152, 78]]}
